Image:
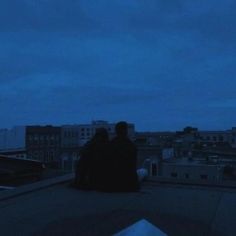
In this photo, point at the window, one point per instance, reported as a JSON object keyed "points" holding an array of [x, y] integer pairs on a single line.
{"points": [[186, 176], [174, 174], [203, 176], [154, 169], [51, 156], [35, 156]]}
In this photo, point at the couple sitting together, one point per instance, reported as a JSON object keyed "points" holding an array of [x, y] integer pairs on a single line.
{"points": [[108, 165]]}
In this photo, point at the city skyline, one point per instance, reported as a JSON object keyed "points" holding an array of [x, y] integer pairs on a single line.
{"points": [[105, 122], [162, 66]]}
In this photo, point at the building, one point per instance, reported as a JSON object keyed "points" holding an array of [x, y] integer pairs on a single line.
{"points": [[70, 146], [87, 131], [14, 153], [73, 137], [187, 171], [215, 136], [153, 138], [12, 138], [43, 143]]}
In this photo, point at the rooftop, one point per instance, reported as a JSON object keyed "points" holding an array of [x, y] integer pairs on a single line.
{"points": [[186, 162], [57, 209]]}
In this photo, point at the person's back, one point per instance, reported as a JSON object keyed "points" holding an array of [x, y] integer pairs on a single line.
{"points": [[123, 159], [83, 167], [90, 169], [99, 157]]}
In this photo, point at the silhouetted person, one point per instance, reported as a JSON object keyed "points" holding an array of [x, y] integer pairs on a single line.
{"points": [[90, 173], [123, 160]]}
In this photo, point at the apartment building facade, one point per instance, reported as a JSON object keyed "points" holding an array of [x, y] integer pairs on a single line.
{"points": [[43, 143]]}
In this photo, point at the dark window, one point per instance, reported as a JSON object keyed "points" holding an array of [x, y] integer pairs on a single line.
{"points": [[203, 176], [154, 169], [186, 176], [174, 174], [221, 139]]}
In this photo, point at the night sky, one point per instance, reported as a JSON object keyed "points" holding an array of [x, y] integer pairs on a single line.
{"points": [[160, 64]]}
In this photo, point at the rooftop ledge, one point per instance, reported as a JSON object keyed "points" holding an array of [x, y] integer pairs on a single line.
{"points": [[52, 208], [12, 193]]}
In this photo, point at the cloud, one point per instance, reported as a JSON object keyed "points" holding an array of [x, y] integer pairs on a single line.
{"points": [[131, 59], [41, 15]]}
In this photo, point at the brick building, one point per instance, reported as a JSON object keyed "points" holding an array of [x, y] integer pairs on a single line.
{"points": [[43, 143]]}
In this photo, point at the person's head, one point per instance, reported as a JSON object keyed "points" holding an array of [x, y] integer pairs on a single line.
{"points": [[121, 129], [101, 135]]}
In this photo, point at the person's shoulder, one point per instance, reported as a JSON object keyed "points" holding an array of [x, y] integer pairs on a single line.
{"points": [[130, 145]]}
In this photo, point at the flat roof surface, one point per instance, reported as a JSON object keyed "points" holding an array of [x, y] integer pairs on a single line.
{"points": [[175, 210], [185, 162]]}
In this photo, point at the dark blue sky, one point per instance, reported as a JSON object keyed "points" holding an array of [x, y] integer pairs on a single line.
{"points": [[160, 64]]}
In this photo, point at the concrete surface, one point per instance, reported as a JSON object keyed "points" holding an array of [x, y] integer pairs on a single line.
{"points": [[175, 210]]}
